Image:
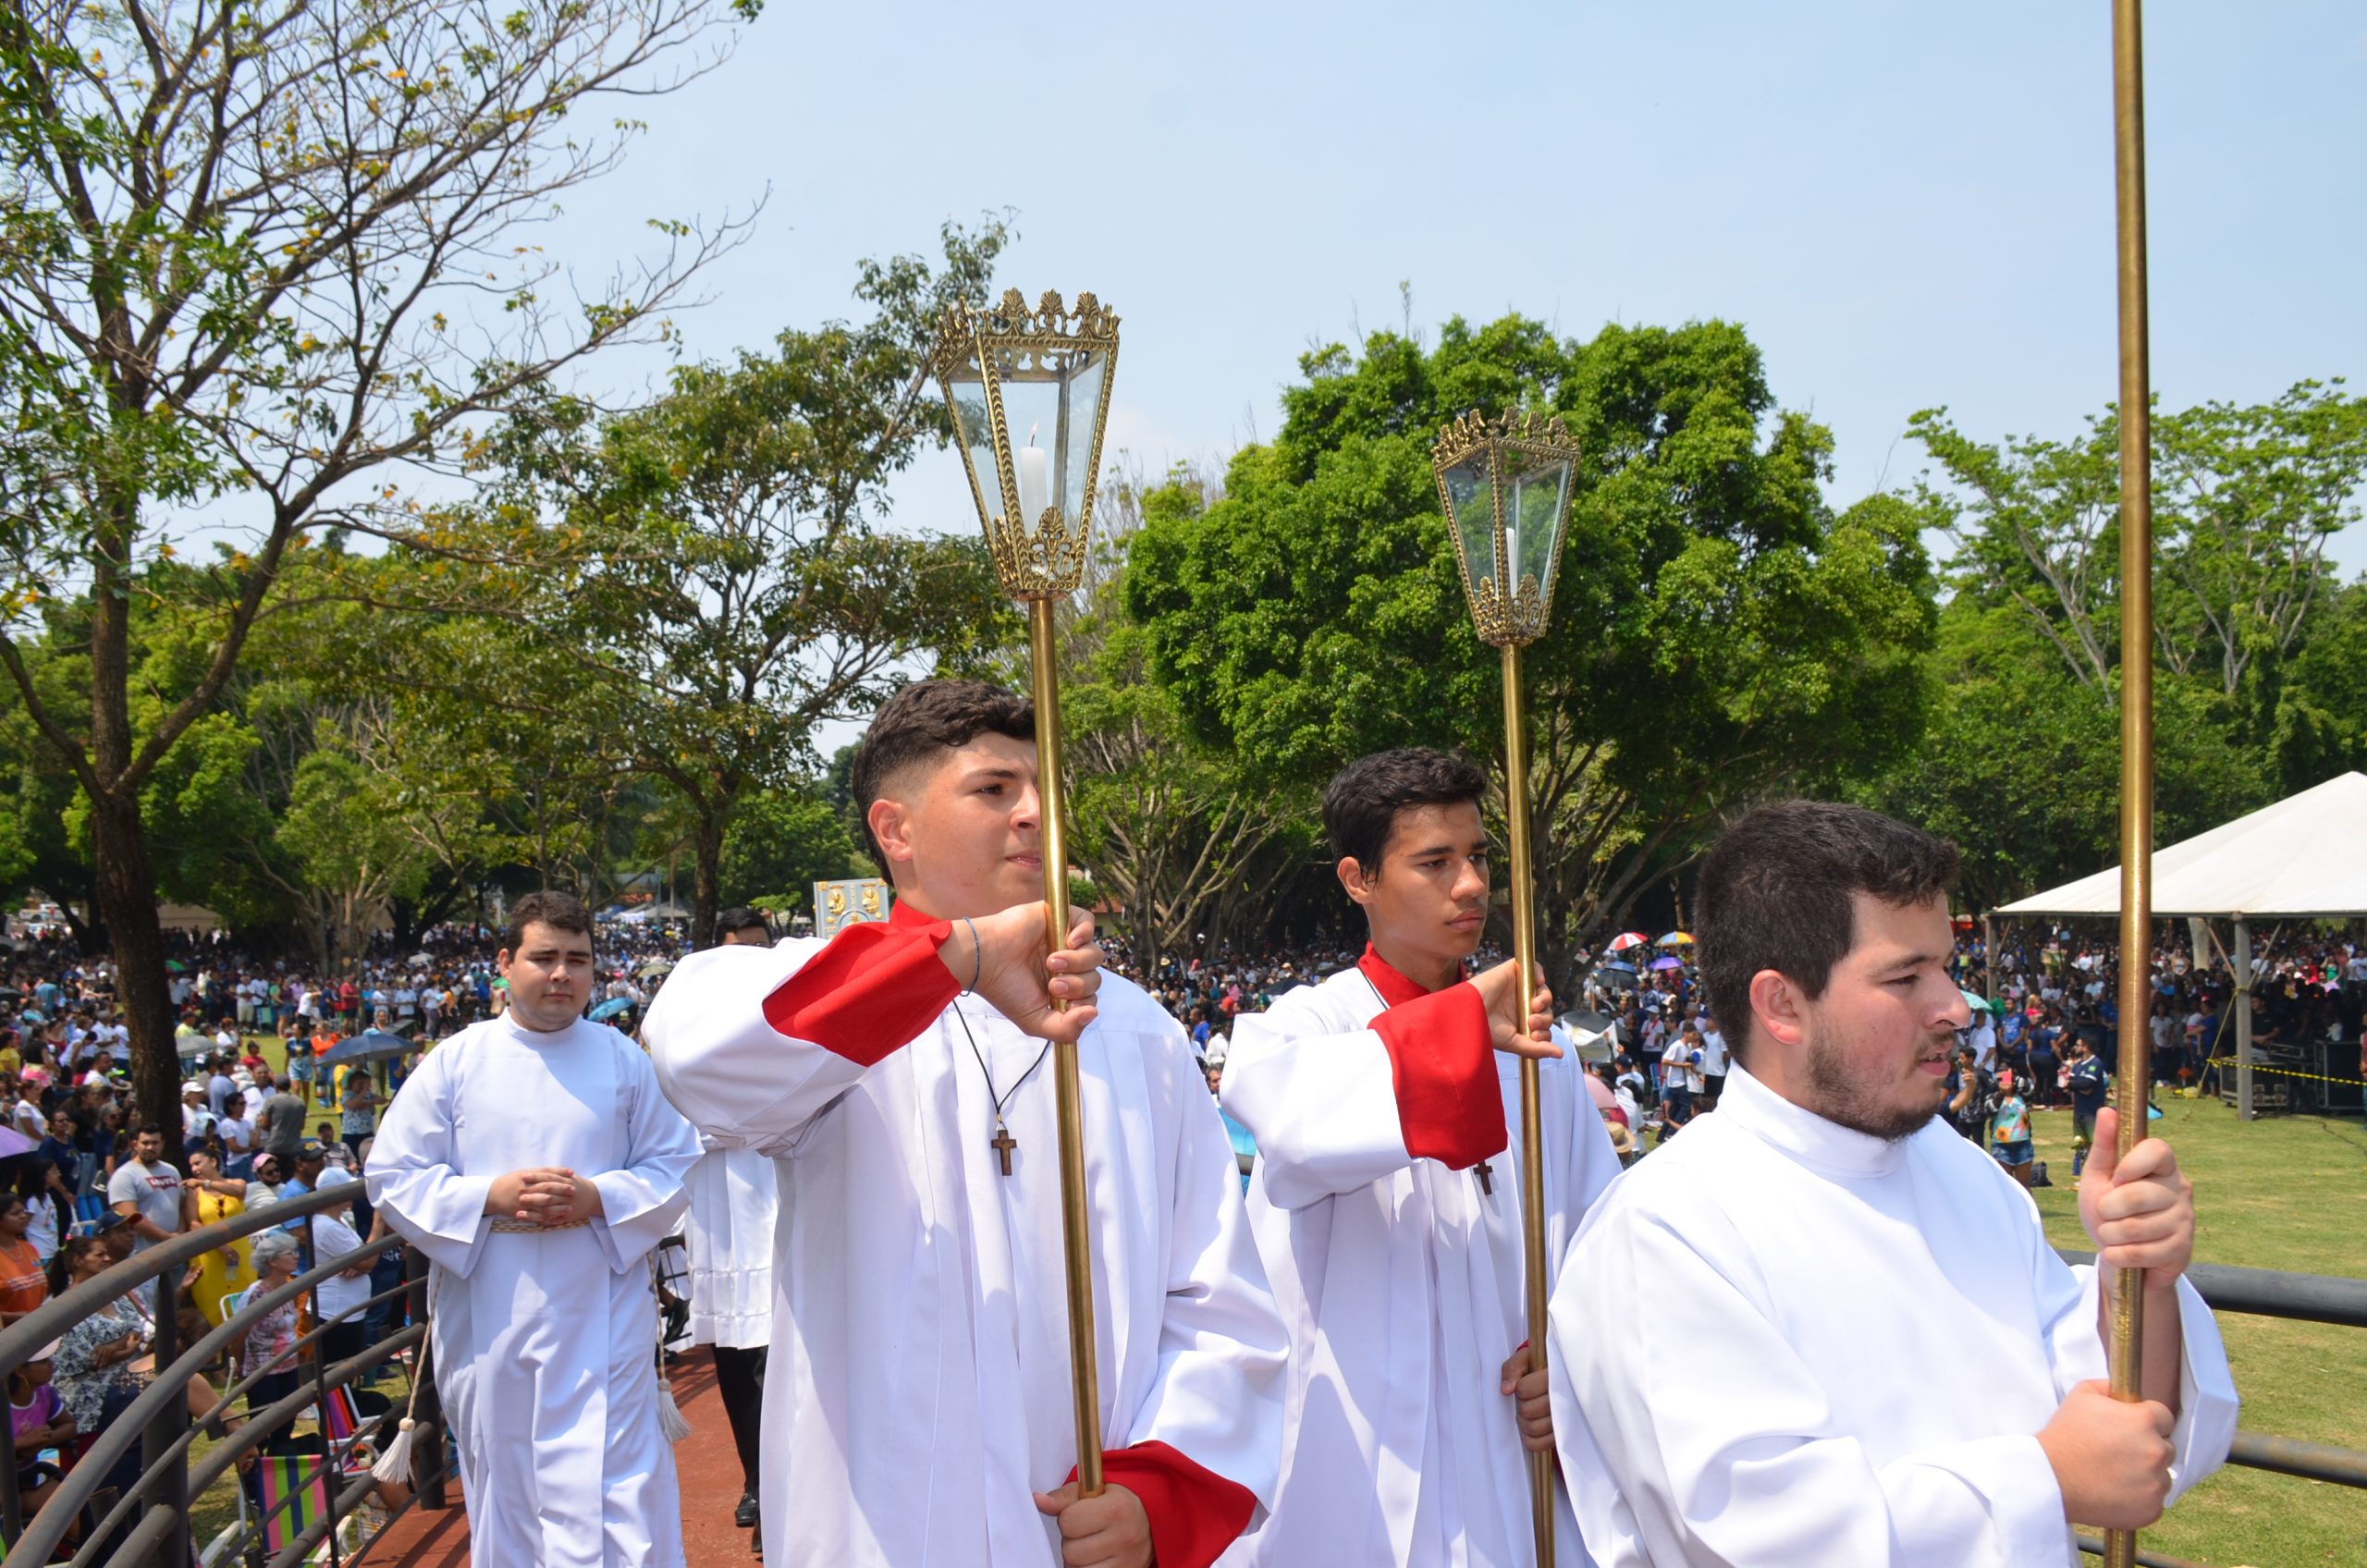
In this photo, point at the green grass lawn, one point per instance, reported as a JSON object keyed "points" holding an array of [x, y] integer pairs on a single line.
{"points": [[2286, 1192]]}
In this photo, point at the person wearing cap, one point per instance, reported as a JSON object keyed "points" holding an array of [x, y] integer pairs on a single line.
{"points": [[196, 1121], [344, 1294], [38, 1419]]}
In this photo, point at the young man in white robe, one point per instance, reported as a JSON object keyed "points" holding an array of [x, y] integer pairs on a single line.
{"points": [[918, 1412], [729, 1237], [1866, 1351], [534, 1161], [1386, 1200]]}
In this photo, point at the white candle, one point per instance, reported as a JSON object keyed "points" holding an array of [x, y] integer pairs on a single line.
{"points": [[1033, 487], [1512, 547]]}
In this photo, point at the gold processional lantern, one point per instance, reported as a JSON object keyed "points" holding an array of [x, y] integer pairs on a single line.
{"points": [[1029, 394], [1506, 486]]}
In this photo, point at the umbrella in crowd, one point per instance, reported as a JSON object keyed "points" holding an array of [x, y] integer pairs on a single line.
{"points": [[609, 1008], [420, 960], [1677, 939], [1592, 1036], [371, 1044], [13, 1143], [1978, 1004], [655, 968], [1665, 963], [195, 1044], [1625, 940]]}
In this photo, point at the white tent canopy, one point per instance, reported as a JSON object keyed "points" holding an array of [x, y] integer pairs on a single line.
{"points": [[2303, 858]]}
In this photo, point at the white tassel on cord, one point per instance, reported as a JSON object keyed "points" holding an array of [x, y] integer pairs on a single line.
{"points": [[395, 1463], [670, 1419]]}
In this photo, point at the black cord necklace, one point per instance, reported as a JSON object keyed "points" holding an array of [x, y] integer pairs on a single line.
{"points": [[1002, 1143]]}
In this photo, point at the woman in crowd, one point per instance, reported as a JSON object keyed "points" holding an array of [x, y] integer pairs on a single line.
{"points": [[213, 1195], [23, 1286], [93, 1363], [51, 1203], [270, 1348]]}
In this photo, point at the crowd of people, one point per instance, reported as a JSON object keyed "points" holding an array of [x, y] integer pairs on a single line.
{"points": [[1650, 1059]]}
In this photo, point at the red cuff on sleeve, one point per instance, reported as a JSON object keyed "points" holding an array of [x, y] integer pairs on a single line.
{"points": [[870, 992], [1194, 1513], [1442, 1054]]}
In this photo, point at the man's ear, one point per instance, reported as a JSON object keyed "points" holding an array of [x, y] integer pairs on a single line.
{"points": [[890, 822], [1778, 1009], [1353, 879]]}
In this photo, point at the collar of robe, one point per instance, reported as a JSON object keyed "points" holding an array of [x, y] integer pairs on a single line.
{"points": [[904, 914], [1394, 988], [1806, 1136]]}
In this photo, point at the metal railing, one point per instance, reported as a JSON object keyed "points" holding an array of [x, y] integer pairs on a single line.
{"points": [[147, 1526], [2268, 1292]]}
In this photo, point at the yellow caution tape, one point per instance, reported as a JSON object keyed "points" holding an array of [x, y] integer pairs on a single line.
{"points": [[2281, 1071]]}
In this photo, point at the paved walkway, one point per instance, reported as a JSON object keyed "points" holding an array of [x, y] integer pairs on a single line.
{"points": [[709, 1469]]}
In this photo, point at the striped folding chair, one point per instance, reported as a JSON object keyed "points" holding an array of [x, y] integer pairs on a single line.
{"points": [[291, 1476]]}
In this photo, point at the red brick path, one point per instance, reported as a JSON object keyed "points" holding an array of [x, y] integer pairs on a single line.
{"points": [[710, 1474]]}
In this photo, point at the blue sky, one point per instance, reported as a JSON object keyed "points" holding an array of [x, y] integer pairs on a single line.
{"points": [[1906, 205]]}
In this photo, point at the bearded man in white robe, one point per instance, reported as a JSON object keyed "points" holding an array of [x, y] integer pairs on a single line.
{"points": [[1864, 1349], [917, 1392], [1387, 1200], [534, 1161]]}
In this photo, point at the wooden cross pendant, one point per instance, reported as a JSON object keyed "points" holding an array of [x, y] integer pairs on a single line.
{"points": [[1486, 1187], [1002, 1143]]}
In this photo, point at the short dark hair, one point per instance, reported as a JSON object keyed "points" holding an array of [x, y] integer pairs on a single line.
{"points": [[1361, 804], [740, 917], [145, 1128], [1775, 893], [921, 720], [561, 911]]}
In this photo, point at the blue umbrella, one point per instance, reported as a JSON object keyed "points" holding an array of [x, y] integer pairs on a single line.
{"points": [[608, 1009], [371, 1045]]}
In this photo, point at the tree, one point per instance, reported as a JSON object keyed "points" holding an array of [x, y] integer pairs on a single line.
{"points": [[250, 256], [780, 843], [712, 567], [1721, 634], [2245, 500]]}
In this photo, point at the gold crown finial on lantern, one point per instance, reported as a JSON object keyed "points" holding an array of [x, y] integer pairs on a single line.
{"points": [[1037, 375], [1505, 487]]}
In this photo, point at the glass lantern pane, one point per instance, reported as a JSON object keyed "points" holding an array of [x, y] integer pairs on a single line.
{"points": [[1031, 409], [1085, 383], [1535, 504], [1475, 515], [974, 435]]}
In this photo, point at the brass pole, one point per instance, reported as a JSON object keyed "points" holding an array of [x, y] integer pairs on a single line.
{"points": [[2131, 1074], [1532, 1160], [1083, 1375]]}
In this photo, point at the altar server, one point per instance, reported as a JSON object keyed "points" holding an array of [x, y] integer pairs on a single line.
{"points": [[919, 1413], [534, 1160], [728, 1238], [1386, 1200], [1864, 1352]]}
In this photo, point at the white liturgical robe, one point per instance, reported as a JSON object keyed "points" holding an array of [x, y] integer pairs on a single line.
{"points": [[729, 1239], [1401, 1276], [1854, 1343], [545, 1344], [918, 1387]]}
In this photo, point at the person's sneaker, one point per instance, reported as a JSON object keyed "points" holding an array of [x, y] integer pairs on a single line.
{"points": [[745, 1514]]}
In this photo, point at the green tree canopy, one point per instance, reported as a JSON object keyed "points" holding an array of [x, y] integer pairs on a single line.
{"points": [[1720, 633]]}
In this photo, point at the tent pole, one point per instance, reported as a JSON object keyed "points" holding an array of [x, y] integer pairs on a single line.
{"points": [[1989, 959], [2243, 1005]]}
